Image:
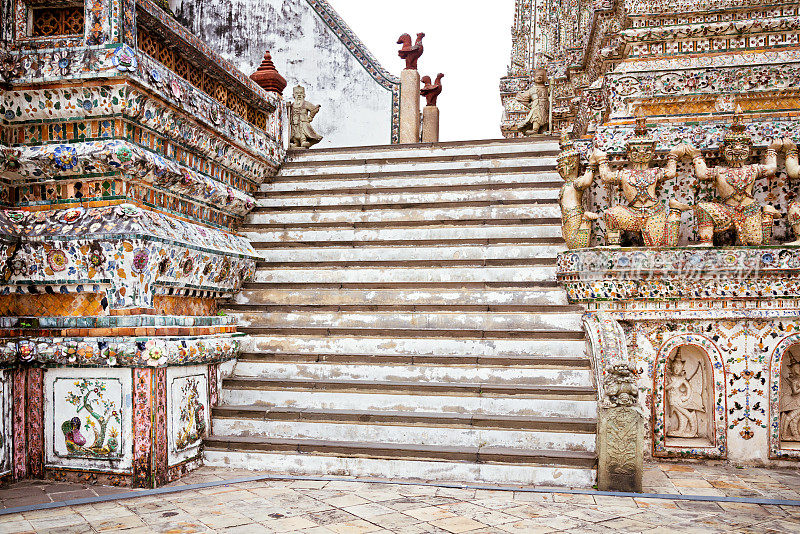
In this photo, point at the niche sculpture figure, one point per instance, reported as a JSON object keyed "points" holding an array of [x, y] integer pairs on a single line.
{"points": [[536, 99], [789, 403], [644, 213], [576, 224], [737, 207], [793, 170], [410, 53], [684, 398], [303, 112]]}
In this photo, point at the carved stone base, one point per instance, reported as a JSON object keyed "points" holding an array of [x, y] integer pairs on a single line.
{"points": [[409, 106], [620, 449], [430, 124]]}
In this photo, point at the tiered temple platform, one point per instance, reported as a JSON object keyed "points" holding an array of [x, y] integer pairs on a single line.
{"points": [[404, 321]]}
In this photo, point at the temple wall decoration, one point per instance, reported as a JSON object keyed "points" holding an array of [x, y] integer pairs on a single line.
{"points": [[711, 334], [130, 153]]}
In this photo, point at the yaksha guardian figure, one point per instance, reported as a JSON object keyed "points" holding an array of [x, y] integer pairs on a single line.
{"points": [[737, 207], [793, 170], [644, 213], [576, 224]]}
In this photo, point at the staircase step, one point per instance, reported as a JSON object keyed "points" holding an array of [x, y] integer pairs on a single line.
{"points": [[400, 430], [404, 451], [448, 420], [386, 346], [545, 362], [366, 199], [375, 372], [530, 299], [408, 217]]}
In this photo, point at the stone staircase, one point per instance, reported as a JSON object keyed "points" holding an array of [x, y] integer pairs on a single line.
{"points": [[405, 322]]}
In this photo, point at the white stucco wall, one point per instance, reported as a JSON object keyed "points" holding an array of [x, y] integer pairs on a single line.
{"points": [[356, 108]]}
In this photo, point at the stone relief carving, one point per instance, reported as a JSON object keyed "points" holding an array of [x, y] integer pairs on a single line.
{"points": [[303, 112], [789, 400], [537, 100], [410, 53], [620, 386], [645, 213], [737, 207], [576, 224], [793, 170], [685, 390]]}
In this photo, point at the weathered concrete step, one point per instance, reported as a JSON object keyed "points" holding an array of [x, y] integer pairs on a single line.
{"points": [[442, 233], [465, 253], [375, 372], [461, 298], [404, 275], [539, 362], [422, 419], [401, 434], [479, 148], [406, 451], [406, 199], [385, 387], [407, 398], [393, 173], [423, 186], [285, 462], [406, 217], [392, 346], [384, 263], [461, 321]]}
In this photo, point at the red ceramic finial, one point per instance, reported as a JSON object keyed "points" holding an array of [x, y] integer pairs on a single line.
{"points": [[268, 77]]}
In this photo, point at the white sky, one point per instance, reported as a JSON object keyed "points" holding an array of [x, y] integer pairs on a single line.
{"points": [[467, 40]]}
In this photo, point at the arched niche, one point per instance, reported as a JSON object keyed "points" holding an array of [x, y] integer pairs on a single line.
{"points": [[789, 398], [689, 398]]}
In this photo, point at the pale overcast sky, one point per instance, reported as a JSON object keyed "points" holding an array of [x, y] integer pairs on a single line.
{"points": [[467, 40]]}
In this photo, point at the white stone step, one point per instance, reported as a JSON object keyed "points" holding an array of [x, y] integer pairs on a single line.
{"points": [[388, 346], [401, 297], [308, 464], [411, 253], [436, 233], [484, 149], [406, 275], [344, 167], [382, 400], [446, 321], [307, 200], [367, 433], [415, 373], [388, 217]]}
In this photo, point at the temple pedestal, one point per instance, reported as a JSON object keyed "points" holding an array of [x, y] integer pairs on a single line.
{"points": [[409, 106], [430, 124]]}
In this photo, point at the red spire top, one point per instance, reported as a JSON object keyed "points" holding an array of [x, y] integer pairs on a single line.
{"points": [[268, 77]]}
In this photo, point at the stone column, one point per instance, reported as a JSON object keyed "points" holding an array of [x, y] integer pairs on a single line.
{"points": [[620, 454], [430, 124], [409, 106]]}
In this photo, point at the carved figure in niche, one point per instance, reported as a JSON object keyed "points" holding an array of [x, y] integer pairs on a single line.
{"points": [[684, 394], [431, 91], [793, 170], [789, 401], [410, 53], [644, 213], [303, 112], [536, 99], [576, 224], [620, 385], [737, 207]]}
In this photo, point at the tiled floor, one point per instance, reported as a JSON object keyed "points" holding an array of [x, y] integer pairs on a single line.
{"points": [[365, 507]]}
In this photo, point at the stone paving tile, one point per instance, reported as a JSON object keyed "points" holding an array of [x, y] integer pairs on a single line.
{"points": [[325, 507]]}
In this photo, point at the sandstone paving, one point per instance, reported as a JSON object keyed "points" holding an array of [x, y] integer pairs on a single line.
{"points": [[370, 507]]}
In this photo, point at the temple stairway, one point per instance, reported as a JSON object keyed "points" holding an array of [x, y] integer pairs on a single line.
{"points": [[405, 321]]}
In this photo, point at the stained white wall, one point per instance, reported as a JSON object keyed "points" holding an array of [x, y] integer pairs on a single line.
{"points": [[356, 109]]}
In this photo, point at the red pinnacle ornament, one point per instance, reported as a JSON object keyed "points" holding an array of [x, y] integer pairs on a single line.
{"points": [[268, 77]]}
